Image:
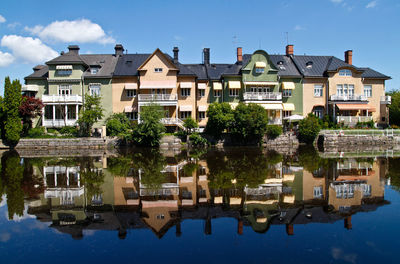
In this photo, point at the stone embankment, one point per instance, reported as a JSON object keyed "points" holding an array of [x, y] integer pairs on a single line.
{"points": [[170, 142], [64, 143]]}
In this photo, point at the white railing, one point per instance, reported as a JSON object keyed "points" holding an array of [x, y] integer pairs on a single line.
{"points": [[262, 96], [386, 99], [275, 121], [158, 97], [61, 99], [30, 88], [352, 97], [353, 119], [172, 121], [63, 192], [58, 122], [362, 132]]}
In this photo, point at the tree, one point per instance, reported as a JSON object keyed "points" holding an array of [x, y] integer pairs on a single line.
{"points": [[394, 108], [309, 128], [118, 125], [149, 131], [190, 124], [29, 109], [92, 112], [220, 118], [12, 102], [250, 123]]}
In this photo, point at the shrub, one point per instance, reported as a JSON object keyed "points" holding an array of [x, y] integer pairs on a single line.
{"points": [[69, 131], [220, 118], [36, 132], [118, 125], [308, 129], [190, 124], [197, 140], [12, 102], [274, 131], [369, 124], [91, 113]]}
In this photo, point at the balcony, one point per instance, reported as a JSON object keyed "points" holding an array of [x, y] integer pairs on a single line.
{"points": [[58, 122], [352, 120], [386, 100], [255, 96], [30, 88], [172, 121], [353, 97], [157, 97], [62, 99]]}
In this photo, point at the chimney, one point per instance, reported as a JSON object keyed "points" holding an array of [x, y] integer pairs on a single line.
{"points": [[176, 52], [239, 55], [37, 68], [289, 50], [73, 49], [206, 54], [348, 57], [119, 50], [289, 229]]}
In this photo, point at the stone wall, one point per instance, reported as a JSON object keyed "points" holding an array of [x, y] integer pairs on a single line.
{"points": [[63, 143]]}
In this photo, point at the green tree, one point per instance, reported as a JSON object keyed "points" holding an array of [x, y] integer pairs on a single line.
{"points": [[92, 112], [220, 118], [309, 128], [394, 108], [149, 131], [190, 124], [250, 123], [118, 125], [12, 102]]}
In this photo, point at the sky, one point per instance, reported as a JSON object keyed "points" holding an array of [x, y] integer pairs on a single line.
{"points": [[33, 32]]}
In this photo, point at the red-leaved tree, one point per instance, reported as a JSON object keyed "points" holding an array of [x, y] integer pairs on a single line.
{"points": [[30, 108]]}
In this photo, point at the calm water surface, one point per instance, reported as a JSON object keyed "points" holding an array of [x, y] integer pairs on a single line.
{"points": [[240, 205]]}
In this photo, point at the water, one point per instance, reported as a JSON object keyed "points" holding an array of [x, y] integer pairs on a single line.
{"points": [[240, 205]]}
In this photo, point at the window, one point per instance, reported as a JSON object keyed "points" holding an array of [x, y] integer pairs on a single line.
{"points": [[366, 189], [132, 115], [94, 70], [318, 90], [131, 93], [202, 115], [160, 217], [259, 70], [344, 191], [368, 90], [234, 92], [185, 114], [287, 93], [318, 192], [94, 89], [339, 90], [351, 90], [157, 69], [185, 91], [64, 72], [319, 112], [345, 90], [217, 93], [345, 72], [287, 113], [202, 93], [64, 89]]}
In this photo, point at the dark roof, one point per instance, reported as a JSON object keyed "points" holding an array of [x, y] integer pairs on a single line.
{"points": [[287, 68], [105, 62], [69, 57], [215, 71], [335, 64], [199, 70], [40, 72], [370, 73], [128, 64], [317, 65]]}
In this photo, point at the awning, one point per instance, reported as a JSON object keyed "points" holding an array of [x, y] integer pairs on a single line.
{"points": [[261, 83], [288, 107], [186, 85], [129, 109], [202, 108], [157, 84], [130, 86], [261, 64], [288, 85], [64, 67], [272, 106], [217, 86], [202, 85], [30, 88], [294, 118], [185, 108], [234, 84], [355, 107], [233, 105]]}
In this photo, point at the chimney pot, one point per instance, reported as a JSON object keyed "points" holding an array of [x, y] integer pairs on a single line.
{"points": [[119, 50], [206, 54], [289, 50], [73, 49], [176, 53], [348, 57], [239, 54]]}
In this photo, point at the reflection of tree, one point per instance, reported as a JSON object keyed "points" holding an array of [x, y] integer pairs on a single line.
{"points": [[91, 176], [394, 173], [119, 166], [311, 161], [12, 175]]}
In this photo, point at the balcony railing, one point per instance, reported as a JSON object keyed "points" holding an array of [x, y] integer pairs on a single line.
{"points": [[61, 99], [353, 97], [353, 119], [158, 97], [386, 100], [172, 121], [262, 96], [58, 122]]}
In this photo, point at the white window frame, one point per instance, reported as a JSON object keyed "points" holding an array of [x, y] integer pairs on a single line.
{"points": [[234, 92], [318, 192], [286, 113], [202, 115], [345, 73], [202, 92], [185, 114], [287, 93], [131, 93], [318, 90], [132, 116], [95, 89], [64, 72], [318, 112], [217, 93], [185, 92], [65, 89], [368, 90], [158, 70]]}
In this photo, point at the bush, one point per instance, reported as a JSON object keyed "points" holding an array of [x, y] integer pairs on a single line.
{"points": [[369, 124], [308, 129], [118, 125], [274, 131], [220, 117], [197, 140], [36, 132], [69, 131]]}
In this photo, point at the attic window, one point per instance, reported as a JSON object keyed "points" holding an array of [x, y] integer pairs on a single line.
{"points": [[94, 70], [280, 65], [344, 72], [157, 69], [129, 62], [309, 64]]}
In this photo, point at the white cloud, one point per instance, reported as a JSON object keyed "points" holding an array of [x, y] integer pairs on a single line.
{"points": [[2, 19], [28, 49], [5, 60], [4, 237], [298, 28], [12, 26], [178, 38], [371, 4], [81, 30]]}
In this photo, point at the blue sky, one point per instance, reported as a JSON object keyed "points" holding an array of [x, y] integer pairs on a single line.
{"points": [[32, 32]]}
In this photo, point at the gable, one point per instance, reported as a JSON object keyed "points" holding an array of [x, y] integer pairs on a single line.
{"points": [[157, 60], [259, 57]]}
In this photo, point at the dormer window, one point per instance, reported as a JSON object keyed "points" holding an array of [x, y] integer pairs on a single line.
{"points": [[260, 66], [94, 70], [64, 70], [280, 65], [309, 64], [345, 72], [157, 69]]}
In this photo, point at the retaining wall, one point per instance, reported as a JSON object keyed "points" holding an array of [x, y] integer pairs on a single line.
{"points": [[64, 143]]}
